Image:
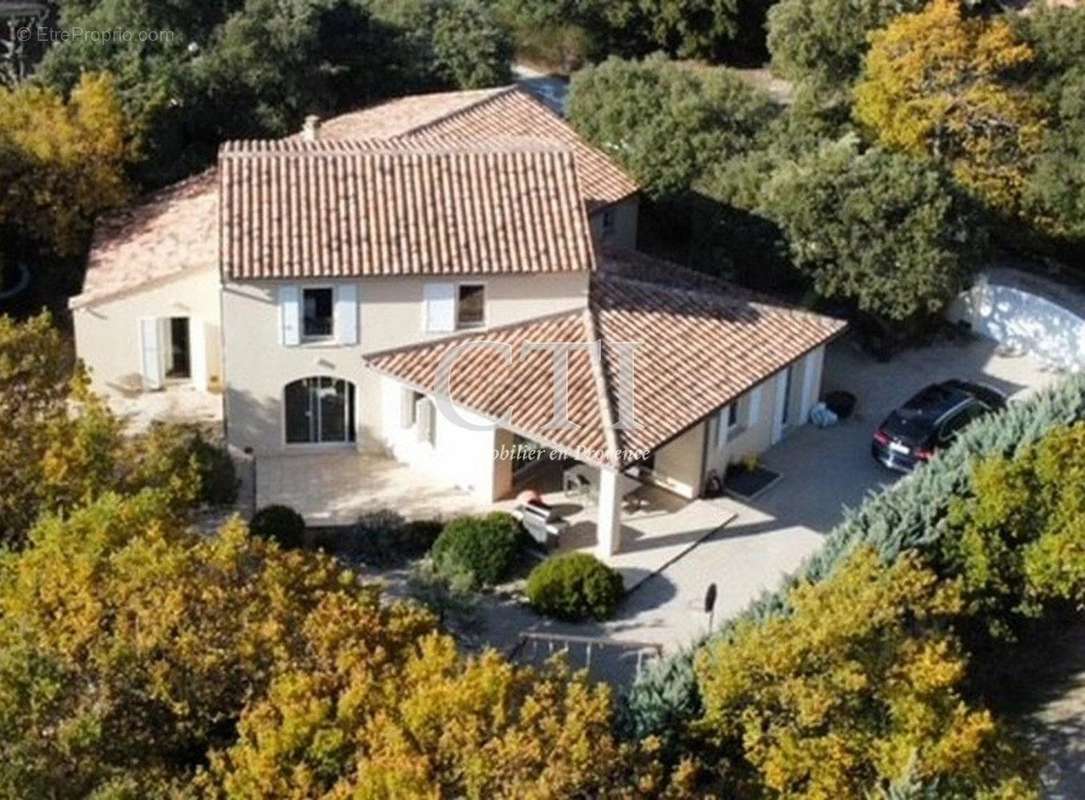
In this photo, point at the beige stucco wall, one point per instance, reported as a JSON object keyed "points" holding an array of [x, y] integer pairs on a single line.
{"points": [[107, 335], [754, 436], [678, 463], [258, 366], [623, 232], [461, 452]]}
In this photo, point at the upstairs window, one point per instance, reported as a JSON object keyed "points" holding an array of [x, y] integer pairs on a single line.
{"points": [[471, 306], [318, 320]]}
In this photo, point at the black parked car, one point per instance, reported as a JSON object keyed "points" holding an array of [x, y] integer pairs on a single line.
{"points": [[928, 422]]}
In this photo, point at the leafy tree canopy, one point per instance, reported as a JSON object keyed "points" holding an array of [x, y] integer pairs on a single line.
{"points": [[214, 71], [853, 691], [937, 83], [138, 659], [61, 163], [882, 230], [820, 44], [1018, 539], [1057, 188], [663, 121]]}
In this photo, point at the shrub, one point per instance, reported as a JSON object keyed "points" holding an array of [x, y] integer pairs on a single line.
{"points": [[480, 549], [280, 523], [218, 475], [573, 587], [910, 515], [385, 538], [857, 687]]}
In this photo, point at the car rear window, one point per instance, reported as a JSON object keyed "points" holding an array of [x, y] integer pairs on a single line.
{"points": [[908, 425]]}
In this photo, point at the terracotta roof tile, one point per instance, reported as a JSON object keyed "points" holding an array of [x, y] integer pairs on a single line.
{"points": [[515, 113], [341, 208], [695, 350], [173, 231]]}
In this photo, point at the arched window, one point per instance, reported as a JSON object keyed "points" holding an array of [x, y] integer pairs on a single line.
{"points": [[319, 410]]}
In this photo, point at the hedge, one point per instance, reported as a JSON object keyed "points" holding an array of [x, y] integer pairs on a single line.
{"points": [[909, 515], [574, 587]]}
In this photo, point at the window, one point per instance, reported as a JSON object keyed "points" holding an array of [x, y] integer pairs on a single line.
{"points": [[319, 410], [732, 415], [409, 407], [471, 306], [607, 223], [785, 412], [318, 307]]}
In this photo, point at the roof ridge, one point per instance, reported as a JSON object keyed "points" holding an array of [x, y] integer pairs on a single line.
{"points": [[602, 390], [256, 148], [500, 91]]}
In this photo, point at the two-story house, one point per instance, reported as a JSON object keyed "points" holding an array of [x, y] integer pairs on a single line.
{"points": [[438, 278]]}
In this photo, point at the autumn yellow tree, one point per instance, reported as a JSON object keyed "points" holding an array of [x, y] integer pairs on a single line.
{"points": [[857, 689], [936, 83], [61, 162]]}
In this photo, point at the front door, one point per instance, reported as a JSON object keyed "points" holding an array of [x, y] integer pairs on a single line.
{"points": [[179, 355]]}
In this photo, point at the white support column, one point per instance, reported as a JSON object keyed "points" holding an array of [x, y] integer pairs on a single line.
{"points": [[609, 526]]}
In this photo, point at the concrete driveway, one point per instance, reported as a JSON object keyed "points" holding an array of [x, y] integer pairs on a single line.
{"points": [[824, 471]]}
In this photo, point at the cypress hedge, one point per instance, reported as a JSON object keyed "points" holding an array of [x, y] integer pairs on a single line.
{"points": [[909, 515]]}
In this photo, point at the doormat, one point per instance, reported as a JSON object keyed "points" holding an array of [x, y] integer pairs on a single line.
{"points": [[746, 483]]}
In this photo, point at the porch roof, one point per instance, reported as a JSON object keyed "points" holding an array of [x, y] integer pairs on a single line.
{"points": [[698, 344]]}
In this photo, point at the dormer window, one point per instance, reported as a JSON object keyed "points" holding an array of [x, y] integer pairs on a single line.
{"points": [[318, 320]]}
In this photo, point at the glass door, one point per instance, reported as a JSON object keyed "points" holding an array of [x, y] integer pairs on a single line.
{"points": [[319, 410]]}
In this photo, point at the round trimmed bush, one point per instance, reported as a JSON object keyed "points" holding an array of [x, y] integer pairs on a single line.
{"points": [[573, 587], [281, 524], [479, 550]]}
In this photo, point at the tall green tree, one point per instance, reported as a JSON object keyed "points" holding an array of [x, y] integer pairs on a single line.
{"points": [[472, 48], [666, 122], [1057, 186], [884, 231], [820, 44]]}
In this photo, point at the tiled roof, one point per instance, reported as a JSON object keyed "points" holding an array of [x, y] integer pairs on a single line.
{"points": [[696, 350], [467, 117], [515, 113], [171, 232], [401, 115], [295, 209]]}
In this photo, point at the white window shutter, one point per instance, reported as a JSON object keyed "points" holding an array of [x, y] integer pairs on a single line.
{"points": [[439, 300], [755, 406], [406, 408], [426, 421], [290, 315], [811, 377], [197, 342], [346, 313], [152, 347]]}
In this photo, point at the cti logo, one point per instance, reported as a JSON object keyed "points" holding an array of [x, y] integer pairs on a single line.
{"points": [[560, 352]]}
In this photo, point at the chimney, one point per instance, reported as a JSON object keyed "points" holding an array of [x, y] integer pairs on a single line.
{"points": [[310, 132]]}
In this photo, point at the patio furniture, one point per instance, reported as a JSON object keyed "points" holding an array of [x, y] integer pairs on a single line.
{"points": [[542, 523], [581, 480]]}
